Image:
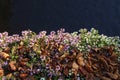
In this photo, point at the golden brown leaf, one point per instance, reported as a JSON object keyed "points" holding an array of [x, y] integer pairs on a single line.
{"points": [[4, 55], [83, 71], [64, 55], [12, 65], [80, 61], [24, 59], [7, 49], [61, 48], [89, 68], [103, 77], [75, 65], [23, 75], [1, 72], [113, 76], [9, 75]]}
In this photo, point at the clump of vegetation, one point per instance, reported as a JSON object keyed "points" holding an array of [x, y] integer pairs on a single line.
{"points": [[59, 55]]}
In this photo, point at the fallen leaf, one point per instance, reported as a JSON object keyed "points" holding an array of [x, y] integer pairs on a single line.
{"points": [[1, 72], [9, 75], [113, 76], [23, 75], [12, 65], [80, 61], [75, 65], [4, 55]]}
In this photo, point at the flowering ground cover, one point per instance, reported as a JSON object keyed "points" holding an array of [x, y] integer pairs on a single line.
{"points": [[81, 55]]}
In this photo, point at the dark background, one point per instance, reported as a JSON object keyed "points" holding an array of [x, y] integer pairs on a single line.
{"points": [[72, 15]]}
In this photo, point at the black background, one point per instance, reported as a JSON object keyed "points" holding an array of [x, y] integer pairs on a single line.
{"points": [[72, 15]]}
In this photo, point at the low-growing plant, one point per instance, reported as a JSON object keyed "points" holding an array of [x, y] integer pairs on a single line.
{"points": [[59, 55]]}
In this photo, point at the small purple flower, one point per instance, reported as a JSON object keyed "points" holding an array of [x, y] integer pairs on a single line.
{"points": [[32, 42], [66, 48], [5, 45], [42, 58], [78, 78], [5, 34], [25, 33], [16, 37], [47, 66], [1, 35], [42, 34], [9, 39], [52, 33], [61, 30], [31, 73], [0, 66], [66, 60], [6, 63], [57, 68], [1, 40], [34, 71], [3, 78], [50, 74], [38, 70]]}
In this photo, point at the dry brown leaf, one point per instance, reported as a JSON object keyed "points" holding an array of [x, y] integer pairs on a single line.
{"points": [[90, 76], [23, 75], [104, 62], [7, 49], [20, 47], [23, 63], [9, 75], [116, 71], [111, 62], [20, 68], [111, 68], [93, 59], [105, 78], [89, 68], [80, 61], [1, 72], [113, 76], [60, 48], [24, 60], [102, 77], [64, 55], [95, 67], [12, 65], [30, 78], [75, 65], [113, 56], [4, 55], [83, 71]]}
